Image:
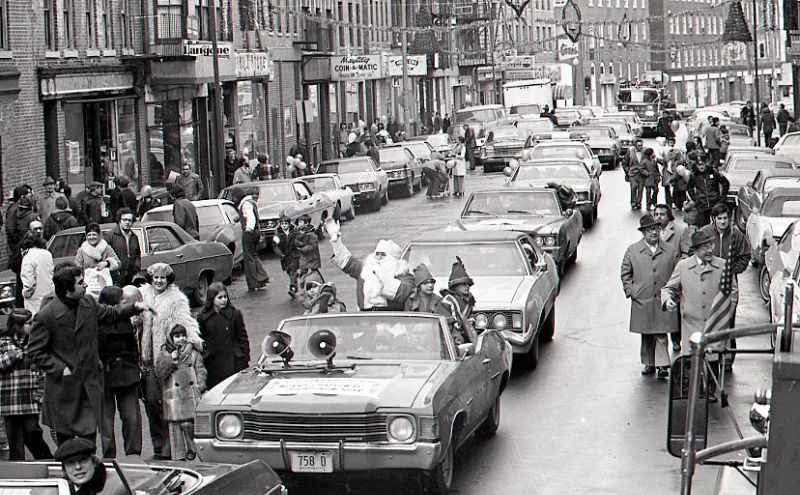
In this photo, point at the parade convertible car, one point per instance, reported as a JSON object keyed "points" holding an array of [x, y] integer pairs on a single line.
{"points": [[353, 393], [535, 211], [361, 174], [290, 197], [196, 264], [219, 222], [253, 478], [574, 173], [515, 283]]}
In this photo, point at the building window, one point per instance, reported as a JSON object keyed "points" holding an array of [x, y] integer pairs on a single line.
{"points": [[127, 26], [203, 19], [671, 26], [599, 3], [49, 12], [644, 31], [635, 33], [69, 24], [611, 68], [107, 35], [602, 69]]}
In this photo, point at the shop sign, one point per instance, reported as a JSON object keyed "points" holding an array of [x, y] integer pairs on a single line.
{"points": [[356, 67], [254, 64], [487, 74], [608, 79], [200, 48], [416, 65], [793, 50], [72, 84], [519, 62], [567, 50]]}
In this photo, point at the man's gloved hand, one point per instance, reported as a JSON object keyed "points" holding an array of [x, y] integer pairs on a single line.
{"points": [[332, 229]]}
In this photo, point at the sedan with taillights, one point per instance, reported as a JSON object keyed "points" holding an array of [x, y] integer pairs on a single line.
{"points": [[351, 394], [575, 174], [363, 176], [536, 211], [604, 144], [750, 197], [781, 207], [403, 169], [515, 282], [503, 144], [290, 197]]}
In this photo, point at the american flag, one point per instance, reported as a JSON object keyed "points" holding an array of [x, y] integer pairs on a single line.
{"points": [[722, 307]]}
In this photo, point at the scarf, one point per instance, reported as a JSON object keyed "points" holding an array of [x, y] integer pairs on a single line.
{"points": [[95, 252]]}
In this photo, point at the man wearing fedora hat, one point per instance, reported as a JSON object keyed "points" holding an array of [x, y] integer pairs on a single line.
{"points": [[646, 267], [693, 285]]}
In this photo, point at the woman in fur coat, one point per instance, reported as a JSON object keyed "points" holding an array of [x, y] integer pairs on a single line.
{"points": [[171, 307]]}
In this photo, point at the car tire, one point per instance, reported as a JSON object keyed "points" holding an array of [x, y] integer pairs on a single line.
{"points": [[588, 220], [490, 425], [764, 281], [351, 214], [549, 326], [408, 187], [440, 479], [201, 290], [385, 197], [337, 212], [532, 357], [574, 257]]}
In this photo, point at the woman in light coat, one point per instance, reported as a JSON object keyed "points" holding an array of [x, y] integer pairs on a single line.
{"points": [[36, 272], [96, 254], [459, 170]]}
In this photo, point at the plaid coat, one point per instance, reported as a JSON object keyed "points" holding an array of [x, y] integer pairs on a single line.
{"points": [[21, 385]]}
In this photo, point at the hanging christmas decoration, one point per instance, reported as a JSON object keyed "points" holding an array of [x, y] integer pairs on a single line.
{"points": [[517, 6], [571, 20], [736, 34]]}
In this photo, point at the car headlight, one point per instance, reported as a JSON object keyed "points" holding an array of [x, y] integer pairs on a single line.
{"points": [[366, 186], [401, 429], [650, 113], [499, 321], [546, 240], [229, 426], [481, 321], [7, 291]]}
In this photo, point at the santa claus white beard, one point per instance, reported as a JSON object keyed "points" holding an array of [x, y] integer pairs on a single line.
{"points": [[373, 272]]}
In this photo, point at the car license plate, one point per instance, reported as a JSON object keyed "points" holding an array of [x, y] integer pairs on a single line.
{"points": [[312, 462]]}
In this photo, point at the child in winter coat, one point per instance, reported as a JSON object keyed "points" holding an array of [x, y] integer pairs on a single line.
{"points": [[284, 243], [459, 301], [183, 375], [21, 391], [306, 244]]}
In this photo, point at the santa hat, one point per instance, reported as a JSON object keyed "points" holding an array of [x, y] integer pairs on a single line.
{"points": [[422, 274], [389, 247], [458, 275]]}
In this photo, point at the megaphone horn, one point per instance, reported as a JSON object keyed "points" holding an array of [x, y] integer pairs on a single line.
{"points": [[278, 343], [322, 344]]}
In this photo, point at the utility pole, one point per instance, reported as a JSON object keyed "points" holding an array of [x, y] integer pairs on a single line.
{"points": [[218, 155], [493, 45], [404, 53], [755, 75]]}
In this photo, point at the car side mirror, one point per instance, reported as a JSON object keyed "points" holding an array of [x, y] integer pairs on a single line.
{"points": [[466, 350]]}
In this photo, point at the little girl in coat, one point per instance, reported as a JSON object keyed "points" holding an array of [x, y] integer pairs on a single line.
{"points": [[183, 375]]}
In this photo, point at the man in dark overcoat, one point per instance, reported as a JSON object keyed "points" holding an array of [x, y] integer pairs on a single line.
{"points": [[63, 344]]}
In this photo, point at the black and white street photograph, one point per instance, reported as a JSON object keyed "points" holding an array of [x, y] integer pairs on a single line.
{"points": [[399, 247]]}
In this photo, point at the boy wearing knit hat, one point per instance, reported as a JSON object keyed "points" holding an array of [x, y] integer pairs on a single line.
{"points": [[424, 299], [459, 301]]}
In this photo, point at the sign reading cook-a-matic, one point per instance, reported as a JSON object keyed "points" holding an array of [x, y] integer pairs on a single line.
{"points": [[356, 67]]}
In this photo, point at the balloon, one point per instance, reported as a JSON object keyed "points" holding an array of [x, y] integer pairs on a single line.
{"points": [[302, 165]]}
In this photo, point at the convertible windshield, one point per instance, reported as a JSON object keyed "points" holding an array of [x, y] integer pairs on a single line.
{"points": [[561, 151], [366, 336], [321, 183], [782, 206], [535, 172], [345, 167], [491, 259], [543, 203]]}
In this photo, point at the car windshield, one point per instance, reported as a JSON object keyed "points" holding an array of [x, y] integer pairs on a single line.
{"points": [[530, 109], [210, 217], [490, 259], [619, 127], [321, 183], [637, 95], [748, 165], [483, 115], [345, 167], [791, 140], [418, 149], [776, 182], [371, 336], [393, 155], [598, 132], [561, 151], [536, 172], [266, 192], [782, 206], [508, 133], [534, 126], [438, 139], [541, 203]]}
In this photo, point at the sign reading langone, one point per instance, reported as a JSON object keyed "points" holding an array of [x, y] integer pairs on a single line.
{"points": [[356, 67]]}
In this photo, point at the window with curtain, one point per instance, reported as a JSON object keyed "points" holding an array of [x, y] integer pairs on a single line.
{"points": [[106, 36], [49, 13], [68, 16]]}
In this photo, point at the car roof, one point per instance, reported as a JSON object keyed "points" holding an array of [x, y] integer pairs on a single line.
{"points": [[779, 172], [460, 236], [763, 157], [197, 203], [320, 176], [550, 161]]}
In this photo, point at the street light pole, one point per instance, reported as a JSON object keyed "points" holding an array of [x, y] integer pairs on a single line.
{"points": [[404, 53], [218, 156], [755, 76]]}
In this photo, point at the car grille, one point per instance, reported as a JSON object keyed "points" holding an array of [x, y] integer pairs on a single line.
{"points": [[314, 428], [601, 151]]}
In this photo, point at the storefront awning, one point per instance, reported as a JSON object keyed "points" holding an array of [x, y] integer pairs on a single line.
{"points": [[85, 84], [9, 83]]}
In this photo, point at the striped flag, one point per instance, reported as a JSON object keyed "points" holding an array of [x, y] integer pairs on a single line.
{"points": [[722, 307]]}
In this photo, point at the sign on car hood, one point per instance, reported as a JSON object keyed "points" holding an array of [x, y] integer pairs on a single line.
{"points": [[366, 388]]}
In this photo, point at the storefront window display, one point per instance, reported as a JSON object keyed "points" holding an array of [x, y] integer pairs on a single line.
{"points": [[172, 136], [252, 118]]}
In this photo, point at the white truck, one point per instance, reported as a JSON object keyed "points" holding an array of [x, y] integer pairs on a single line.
{"points": [[527, 97]]}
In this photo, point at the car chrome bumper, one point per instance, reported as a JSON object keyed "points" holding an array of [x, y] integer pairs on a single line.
{"points": [[396, 181], [521, 342], [355, 456], [361, 196]]}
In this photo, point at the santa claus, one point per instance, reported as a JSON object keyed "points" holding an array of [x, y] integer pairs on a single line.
{"points": [[384, 280]]}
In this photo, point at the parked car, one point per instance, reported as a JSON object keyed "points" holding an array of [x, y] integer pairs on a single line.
{"points": [[576, 174], [440, 142], [535, 211], [623, 130], [631, 118], [402, 168], [369, 182], [781, 207], [741, 168], [47, 478], [331, 186], [515, 282], [219, 222], [568, 117], [739, 135], [781, 266], [290, 197], [788, 145], [397, 394], [502, 145], [196, 263], [604, 144], [750, 197], [421, 150]]}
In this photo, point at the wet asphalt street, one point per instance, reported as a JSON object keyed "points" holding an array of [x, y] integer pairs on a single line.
{"points": [[585, 421]]}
